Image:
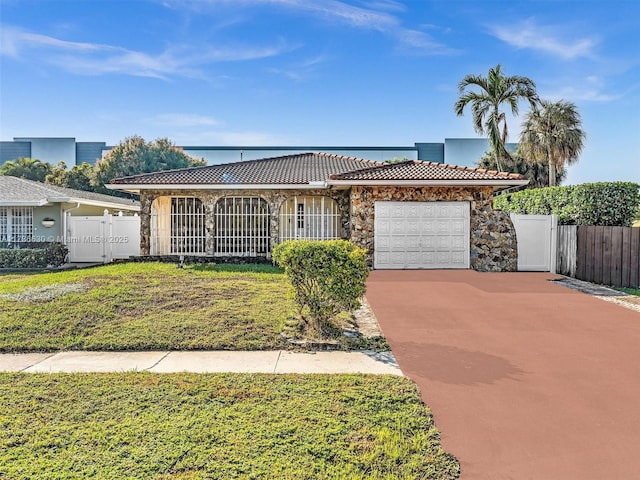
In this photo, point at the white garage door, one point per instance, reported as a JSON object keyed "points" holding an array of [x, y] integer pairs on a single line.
{"points": [[421, 235]]}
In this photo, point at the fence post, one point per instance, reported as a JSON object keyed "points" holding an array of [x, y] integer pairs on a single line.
{"points": [[106, 237]]}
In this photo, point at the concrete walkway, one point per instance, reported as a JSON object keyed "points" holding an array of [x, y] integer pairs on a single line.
{"points": [[278, 361]]}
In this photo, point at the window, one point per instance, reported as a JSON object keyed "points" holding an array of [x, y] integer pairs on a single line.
{"points": [[16, 224], [310, 217], [242, 227], [178, 226], [301, 215]]}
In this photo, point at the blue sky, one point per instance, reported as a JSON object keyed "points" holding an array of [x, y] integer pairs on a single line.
{"points": [[314, 72]]}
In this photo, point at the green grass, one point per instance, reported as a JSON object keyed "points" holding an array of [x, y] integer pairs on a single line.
{"points": [[189, 426], [630, 291], [145, 306]]}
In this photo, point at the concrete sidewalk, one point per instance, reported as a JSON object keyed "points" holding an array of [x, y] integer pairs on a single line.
{"points": [[278, 361]]}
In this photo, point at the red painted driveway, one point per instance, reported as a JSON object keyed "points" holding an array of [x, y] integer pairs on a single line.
{"points": [[527, 379]]}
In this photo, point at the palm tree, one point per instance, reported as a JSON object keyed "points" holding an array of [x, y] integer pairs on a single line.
{"points": [[29, 168], [494, 90], [552, 134]]}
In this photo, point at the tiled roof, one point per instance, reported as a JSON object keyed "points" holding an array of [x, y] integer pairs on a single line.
{"points": [[306, 168], [417, 170], [298, 169], [14, 189]]}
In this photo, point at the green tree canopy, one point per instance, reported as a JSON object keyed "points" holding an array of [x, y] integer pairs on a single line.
{"points": [[490, 94], [552, 134], [134, 156], [29, 168], [536, 173], [78, 178]]}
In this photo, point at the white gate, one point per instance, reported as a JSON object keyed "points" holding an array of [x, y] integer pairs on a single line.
{"points": [[102, 239], [537, 242]]}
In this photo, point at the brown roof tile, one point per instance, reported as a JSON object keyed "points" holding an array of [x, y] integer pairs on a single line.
{"points": [[417, 170], [301, 169], [289, 169]]}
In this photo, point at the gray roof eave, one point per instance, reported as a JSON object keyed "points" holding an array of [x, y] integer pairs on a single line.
{"points": [[96, 203], [23, 203]]}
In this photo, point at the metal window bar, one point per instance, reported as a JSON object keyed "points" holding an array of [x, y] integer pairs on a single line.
{"points": [[242, 227], [178, 226], [4, 224], [188, 234], [16, 224], [309, 217]]}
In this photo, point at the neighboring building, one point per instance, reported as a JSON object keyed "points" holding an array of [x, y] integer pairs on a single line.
{"points": [[410, 214], [34, 211], [52, 150], [454, 151]]}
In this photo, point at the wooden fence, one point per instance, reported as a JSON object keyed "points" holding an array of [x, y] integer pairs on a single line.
{"points": [[605, 255]]}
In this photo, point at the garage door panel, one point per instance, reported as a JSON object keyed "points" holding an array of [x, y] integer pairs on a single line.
{"points": [[383, 243], [443, 227], [457, 243], [413, 227], [458, 226], [421, 235], [383, 211], [412, 243], [427, 226], [427, 211]]}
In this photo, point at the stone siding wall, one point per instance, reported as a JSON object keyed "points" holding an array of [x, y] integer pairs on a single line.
{"points": [[492, 243], [209, 198]]}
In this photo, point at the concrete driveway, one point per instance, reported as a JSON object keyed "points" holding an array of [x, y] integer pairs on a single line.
{"points": [[526, 378]]}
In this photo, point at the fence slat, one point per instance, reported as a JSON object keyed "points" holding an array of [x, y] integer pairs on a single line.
{"points": [[634, 274], [607, 261], [615, 277], [606, 255]]}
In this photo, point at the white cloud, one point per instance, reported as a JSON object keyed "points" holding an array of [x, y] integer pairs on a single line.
{"points": [[527, 34], [97, 59], [590, 89], [374, 16], [13, 41]]}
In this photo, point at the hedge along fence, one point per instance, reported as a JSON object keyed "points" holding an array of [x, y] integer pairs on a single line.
{"points": [[602, 203], [36, 255]]}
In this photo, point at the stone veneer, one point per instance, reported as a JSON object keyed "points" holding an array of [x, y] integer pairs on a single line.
{"points": [[274, 199], [493, 240]]}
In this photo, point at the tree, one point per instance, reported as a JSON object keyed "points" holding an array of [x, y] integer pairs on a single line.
{"points": [[78, 178], [29, 168], [536, 173], [494, 91], [134, 156], [552, 134]]}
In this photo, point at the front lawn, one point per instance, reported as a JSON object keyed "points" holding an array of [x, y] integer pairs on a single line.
{"points": [[188, 426], [630, 291], [145, 306]]}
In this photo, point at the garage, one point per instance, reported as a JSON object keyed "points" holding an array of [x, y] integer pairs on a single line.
{"points": [[429, 235]]}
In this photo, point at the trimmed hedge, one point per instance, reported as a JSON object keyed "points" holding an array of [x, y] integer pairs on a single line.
{"points": [[602, 203], [44, 255], [328, 276]]}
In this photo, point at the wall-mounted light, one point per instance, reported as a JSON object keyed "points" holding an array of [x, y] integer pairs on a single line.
{"points": [[48, 222]]}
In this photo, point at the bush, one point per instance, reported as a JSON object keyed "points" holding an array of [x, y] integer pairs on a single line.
{"points": [[603, 203], [328, 277], [36, 255]]}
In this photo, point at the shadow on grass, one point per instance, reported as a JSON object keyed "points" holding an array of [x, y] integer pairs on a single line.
{"points": [[237, 267]]}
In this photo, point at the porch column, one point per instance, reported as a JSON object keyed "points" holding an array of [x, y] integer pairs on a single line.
{"points": [[146, 200]]}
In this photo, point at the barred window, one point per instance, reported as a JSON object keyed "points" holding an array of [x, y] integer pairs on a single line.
{"points": [[16, 224], [242, 227], [310, 217]]}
